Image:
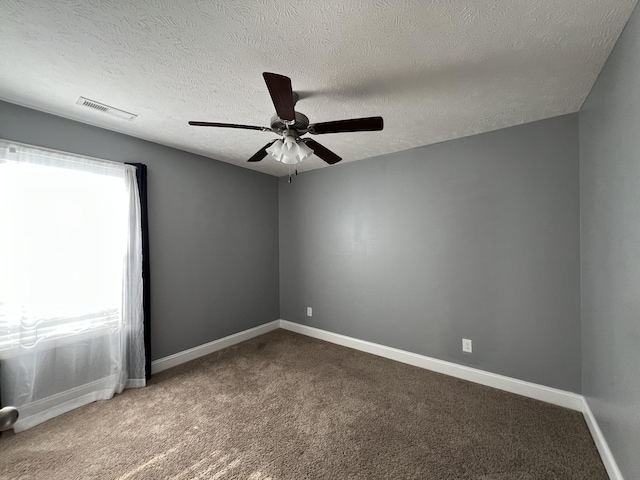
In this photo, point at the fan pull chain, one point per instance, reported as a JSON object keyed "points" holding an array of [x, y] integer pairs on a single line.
{"points": [[289, 173]]}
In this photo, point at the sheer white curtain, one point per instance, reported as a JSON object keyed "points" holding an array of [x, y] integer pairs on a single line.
{"points": [[71, 320]]}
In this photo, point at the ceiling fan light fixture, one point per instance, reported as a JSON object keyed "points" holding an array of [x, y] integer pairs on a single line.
{"points": [[290, 150]]}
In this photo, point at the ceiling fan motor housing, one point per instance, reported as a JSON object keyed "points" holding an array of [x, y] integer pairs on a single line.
{"points": [[300, 125]]}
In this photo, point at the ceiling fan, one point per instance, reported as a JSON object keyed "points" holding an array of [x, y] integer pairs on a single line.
{"points": [[291, 126]]}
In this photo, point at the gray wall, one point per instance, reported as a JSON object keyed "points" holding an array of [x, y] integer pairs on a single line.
{"points": [[610, 234], [474, 238], [213, 230]]}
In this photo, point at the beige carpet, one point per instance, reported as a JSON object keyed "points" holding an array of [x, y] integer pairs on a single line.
{"points": [[285, 406]]}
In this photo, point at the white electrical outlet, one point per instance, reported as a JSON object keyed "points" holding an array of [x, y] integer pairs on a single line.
{"points": [[466, 345], [309, 311]]}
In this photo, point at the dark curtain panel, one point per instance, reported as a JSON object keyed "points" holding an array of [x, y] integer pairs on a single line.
{"points": [[141, 176]]}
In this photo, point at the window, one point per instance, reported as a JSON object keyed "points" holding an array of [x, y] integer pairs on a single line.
{"points": [[62, 250]]}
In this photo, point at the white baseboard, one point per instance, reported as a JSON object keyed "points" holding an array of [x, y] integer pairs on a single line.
{"points": [[527, 389], [201, 350], [601, 444]]}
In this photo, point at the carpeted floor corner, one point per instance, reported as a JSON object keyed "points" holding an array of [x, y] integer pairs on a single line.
{"points": [[286, 406]]}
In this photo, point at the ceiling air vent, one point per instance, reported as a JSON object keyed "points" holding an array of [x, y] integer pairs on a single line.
{"points": [[101, 107]]}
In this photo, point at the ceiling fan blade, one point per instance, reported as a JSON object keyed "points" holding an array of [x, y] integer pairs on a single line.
{"points": [[260, 154], [323, 152], [368, 124], [281, 94], [229, 125]]}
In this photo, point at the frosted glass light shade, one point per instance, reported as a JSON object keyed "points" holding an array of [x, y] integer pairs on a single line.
{"points": [[303, 150], [275, 149]]}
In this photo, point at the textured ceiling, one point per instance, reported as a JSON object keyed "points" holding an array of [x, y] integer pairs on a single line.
{"points": [[434, 69]]}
